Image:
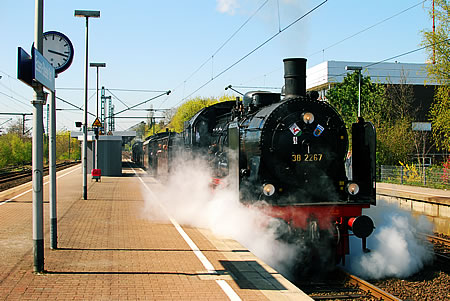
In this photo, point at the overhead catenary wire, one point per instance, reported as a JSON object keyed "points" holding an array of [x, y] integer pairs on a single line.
{"points": [[141, 103], [113, 89], [11, 77], [254, 50], [13, 98], [255, 87], [117, 98], [218, 49], [69, 103], [363, 67], [357, 33], [399, 55], [368, 28]]}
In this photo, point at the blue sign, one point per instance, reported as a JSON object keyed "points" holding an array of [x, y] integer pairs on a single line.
{"points": [[24, 67], [42, 71]]}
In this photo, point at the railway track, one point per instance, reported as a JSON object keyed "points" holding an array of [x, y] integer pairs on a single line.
{"points": [[8, 179], [340, 285], [441, 247]]}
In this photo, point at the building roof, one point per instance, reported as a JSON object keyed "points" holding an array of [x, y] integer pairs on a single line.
{"points": [[330, 72]]}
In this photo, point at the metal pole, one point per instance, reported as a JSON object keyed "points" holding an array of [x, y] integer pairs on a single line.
{"points": [[69, 145], [52, 173], [359, 93], [37, 151], [85, 114], [96, 140], [23, 125], [97, 91], [434, 37]]}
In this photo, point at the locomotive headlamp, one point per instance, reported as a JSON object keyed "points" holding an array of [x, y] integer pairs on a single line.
{"points": [[268, 189], [352, 188], [308, 118]]}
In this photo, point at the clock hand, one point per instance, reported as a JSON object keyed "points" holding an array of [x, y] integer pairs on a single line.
{"points": [[58, 53]]}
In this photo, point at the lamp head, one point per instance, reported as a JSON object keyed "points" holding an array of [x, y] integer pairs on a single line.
{"points": [[87, 13], [97, 64], [353, 68]]}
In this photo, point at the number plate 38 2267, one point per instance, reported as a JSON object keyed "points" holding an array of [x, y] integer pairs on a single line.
{"points": [[306, 157]]}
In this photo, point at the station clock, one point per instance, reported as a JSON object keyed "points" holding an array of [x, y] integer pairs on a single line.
{"points": [[58, 50]]}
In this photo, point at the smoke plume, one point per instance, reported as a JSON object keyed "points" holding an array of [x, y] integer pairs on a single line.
{"points": [[227, 6], [189, 199]]}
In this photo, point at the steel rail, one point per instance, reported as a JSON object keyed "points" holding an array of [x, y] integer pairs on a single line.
{"points": [[8, 177], [438, 239], [370, 288]]}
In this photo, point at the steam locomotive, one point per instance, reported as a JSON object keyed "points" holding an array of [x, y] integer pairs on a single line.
{"points": [[289, 154]]}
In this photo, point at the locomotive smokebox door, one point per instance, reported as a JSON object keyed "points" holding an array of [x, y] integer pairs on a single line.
{"points": [[364, 160]]}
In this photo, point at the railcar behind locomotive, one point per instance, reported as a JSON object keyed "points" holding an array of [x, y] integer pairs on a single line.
{"points": [[158, 153], [137, 154]]}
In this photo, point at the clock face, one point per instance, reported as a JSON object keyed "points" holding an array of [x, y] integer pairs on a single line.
{"points": [[58, 50]]}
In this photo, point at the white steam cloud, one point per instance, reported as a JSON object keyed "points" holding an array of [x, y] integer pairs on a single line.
{"points": [[227, 6], [188, 198], [396, 249]]}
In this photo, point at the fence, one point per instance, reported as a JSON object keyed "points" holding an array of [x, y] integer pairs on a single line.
{"points": [[430, 176]]}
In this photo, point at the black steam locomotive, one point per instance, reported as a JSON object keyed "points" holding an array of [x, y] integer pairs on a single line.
{"points": [[290, 152]]}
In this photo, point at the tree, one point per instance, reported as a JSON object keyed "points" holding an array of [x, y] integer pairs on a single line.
{"points": [[400, 97], [439, 71], [392, 123], [440, 118], [188, 109], [401, 113], [140, 129], [67, 148], [14, 150], [344, 97], [18, 127]]}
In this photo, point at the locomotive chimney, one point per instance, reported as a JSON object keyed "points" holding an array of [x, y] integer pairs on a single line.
{"points": [[294, 77]]}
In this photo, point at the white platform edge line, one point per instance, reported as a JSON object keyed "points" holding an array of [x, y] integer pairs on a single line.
{"points": [[227, 289], [29, 190]]}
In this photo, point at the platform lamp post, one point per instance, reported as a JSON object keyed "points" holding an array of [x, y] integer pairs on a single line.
{"points": [[86, 14], [357, 69], [97, 65], [39, 99]]}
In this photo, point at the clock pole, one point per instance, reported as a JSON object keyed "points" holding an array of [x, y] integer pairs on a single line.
{"points": [[59, 51], [52, 172]]}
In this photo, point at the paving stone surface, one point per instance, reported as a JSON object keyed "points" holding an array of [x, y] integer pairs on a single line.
{"points": [[109, 250]]}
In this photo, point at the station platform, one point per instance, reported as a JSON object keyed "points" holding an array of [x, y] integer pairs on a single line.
{"points": [[433, 203], [108, 250], [425, 194]]}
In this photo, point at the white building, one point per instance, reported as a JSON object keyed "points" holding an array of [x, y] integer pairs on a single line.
{"points": [[322, 76]]}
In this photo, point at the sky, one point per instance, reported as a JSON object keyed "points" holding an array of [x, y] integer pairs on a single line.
{"points": [[198, 47]]}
